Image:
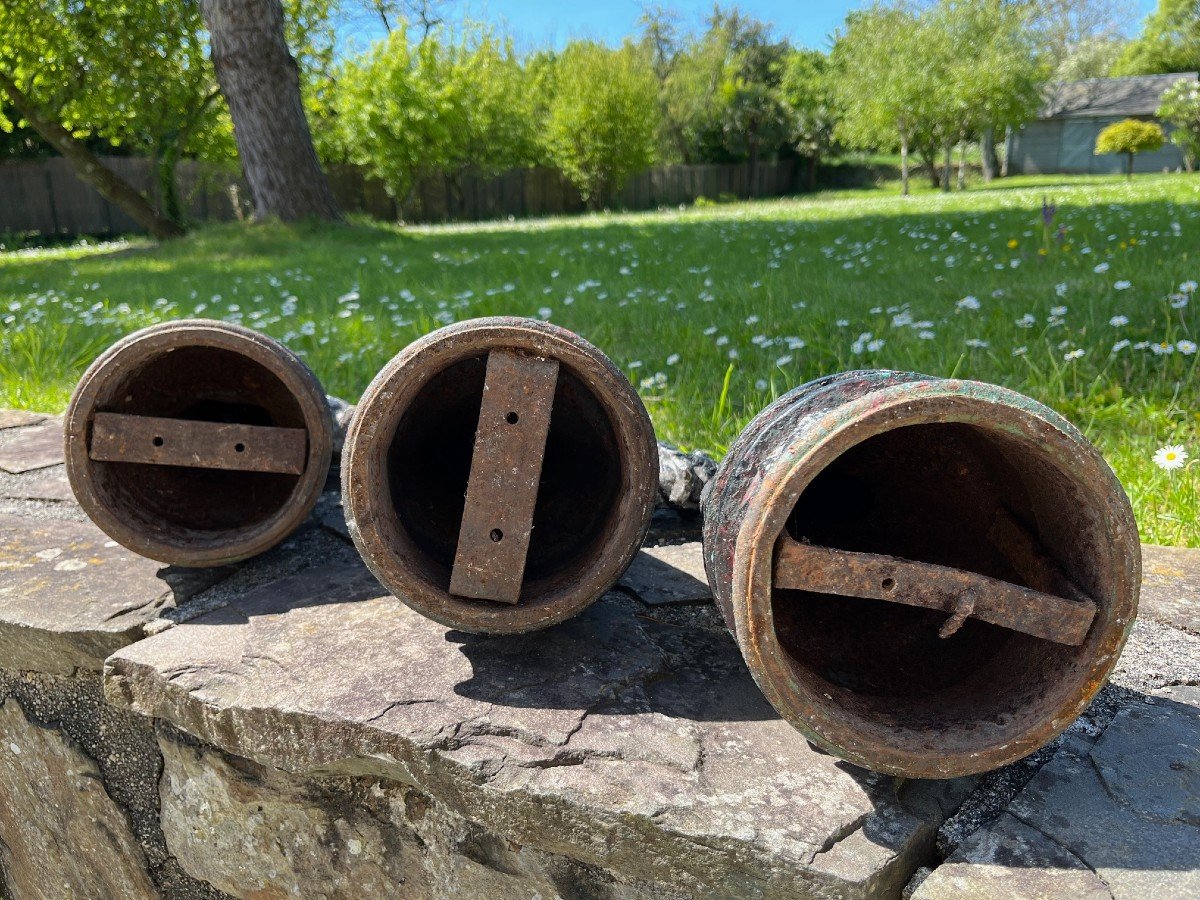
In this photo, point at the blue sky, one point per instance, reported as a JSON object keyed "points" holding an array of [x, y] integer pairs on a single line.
{"points": [[538, 23]]}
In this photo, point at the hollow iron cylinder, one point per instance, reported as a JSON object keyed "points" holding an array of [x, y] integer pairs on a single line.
{"points": [[926, 577], [198, 443], [499, 475]]}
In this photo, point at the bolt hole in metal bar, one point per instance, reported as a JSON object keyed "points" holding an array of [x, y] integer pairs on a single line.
{"points": [[824, 570], [155, 441], [506, 470]]}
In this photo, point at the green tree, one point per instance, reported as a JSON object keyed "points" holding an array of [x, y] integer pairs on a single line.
{"points": [[753, 118], [1131, 136], [602, 121], [806, 91], [1169, 42], [396, 115], [718, 90], [993, 77], [405, 111], [932, 78], [130, 72], [884, 91], [1180, 106]]}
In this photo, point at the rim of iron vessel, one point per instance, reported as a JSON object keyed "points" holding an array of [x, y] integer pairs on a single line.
{"points": [[1039, 430], [227, 545], [375, 526]]}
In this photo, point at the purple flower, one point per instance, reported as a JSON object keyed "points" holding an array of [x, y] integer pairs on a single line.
{"points": [[1048, 212]]}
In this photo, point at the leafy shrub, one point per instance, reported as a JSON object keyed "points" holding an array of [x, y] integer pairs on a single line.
{"points": [[602, 120], [1130, 137]]}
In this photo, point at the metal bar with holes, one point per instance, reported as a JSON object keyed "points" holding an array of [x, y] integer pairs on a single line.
{"points": [[201, 445], [506, 469], [825, 570]]}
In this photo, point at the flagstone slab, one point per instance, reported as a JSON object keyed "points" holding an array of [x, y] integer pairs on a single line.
{"points": [[61, 834], [1124, 810], [27, 449], [48, 484], [637, 746], [18, 418], [1171, 586], [70, 596], [669, 574]]}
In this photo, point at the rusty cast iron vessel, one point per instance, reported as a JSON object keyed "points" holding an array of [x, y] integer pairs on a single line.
{"points": [[499, 475], [198, 443], [927, 577]]}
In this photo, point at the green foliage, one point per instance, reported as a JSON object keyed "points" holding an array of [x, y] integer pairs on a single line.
{"points": [[1180, 106], [806, 92], [931, 77], [881, 86], [1091, 58], [718, 90], [1130, 136], [133, 73], [1169, 42], [993, 70], [602, 122], [752, 114], [405, 110]]}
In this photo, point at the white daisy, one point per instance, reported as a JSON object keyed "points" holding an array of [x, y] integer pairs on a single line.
{"points": [[1171, 457]]}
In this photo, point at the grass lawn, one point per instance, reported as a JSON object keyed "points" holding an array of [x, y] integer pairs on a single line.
{"points": [[712, 311]]}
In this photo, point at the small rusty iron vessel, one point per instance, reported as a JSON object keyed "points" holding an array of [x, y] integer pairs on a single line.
{"points": [[198, 443], [499, 475], [927, 577]]}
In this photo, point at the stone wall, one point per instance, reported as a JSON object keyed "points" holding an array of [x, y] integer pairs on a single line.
{"points": [[286, 729]]}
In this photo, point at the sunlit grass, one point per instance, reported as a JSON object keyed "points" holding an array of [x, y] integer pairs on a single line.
{"points": [[732, 304]]}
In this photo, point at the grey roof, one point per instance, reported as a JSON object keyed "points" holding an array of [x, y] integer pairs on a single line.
{"points": [[1138, 95]]}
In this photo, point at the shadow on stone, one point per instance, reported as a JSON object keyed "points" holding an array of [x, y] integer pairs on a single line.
{"points": [[609, 653], [1116, 815]]}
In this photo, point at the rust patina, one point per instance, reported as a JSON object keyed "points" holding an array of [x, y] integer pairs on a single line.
{"points": [[198, 443], [472, 509], [978, 569]]}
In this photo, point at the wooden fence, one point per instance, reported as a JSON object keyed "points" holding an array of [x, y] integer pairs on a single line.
{"points": [[44, 196]]}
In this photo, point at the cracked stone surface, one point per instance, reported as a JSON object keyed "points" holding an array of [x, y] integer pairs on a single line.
{"points": [[17, 418], [61, 834], [255, 832], [71, 711], [635, 744], [35, 447], [49, 483], [670, 574], [69, 596], [1171, 587], [1112, 815], [1008, 861]]}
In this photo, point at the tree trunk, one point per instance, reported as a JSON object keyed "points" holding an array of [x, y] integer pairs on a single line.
{"points": [[1129, 169], [962, 165], [107, 183], [1007, 146], [904, 165], [810, 176], [168, 191], [928, 154], [947, 165], [987, 149], [261, 84], [753, 159]]}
